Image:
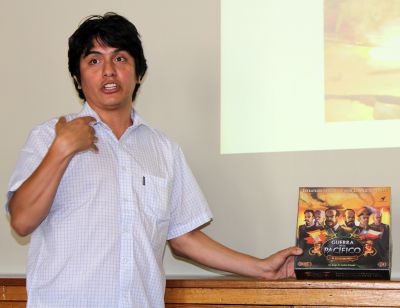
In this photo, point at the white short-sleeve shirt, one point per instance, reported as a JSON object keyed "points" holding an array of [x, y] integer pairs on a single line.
{"points": [[103, 241]]}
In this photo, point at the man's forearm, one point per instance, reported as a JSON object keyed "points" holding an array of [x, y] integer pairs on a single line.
{"points": [[31, 203], [199, 247]]}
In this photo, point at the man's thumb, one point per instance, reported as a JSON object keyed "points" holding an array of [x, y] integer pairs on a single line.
{"points": [[60, 123]]}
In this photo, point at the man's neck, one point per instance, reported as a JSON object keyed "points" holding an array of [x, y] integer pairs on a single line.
{"points": [[118, 120]]}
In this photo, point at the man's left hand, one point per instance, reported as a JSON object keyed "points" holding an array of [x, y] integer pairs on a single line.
{"points": [[280, 265]]}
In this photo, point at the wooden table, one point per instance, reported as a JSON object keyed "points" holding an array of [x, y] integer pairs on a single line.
{"points": [[239, 292]]}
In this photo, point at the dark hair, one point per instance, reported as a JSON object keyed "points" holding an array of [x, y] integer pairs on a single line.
{"points": [[111, 30], [309, 211], [332, 209]]}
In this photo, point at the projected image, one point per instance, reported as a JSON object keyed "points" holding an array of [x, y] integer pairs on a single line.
{"points": [[362, 60], [324, 75]]}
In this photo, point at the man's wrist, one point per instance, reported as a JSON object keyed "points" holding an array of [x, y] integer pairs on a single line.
{"points": [[59, 149]]}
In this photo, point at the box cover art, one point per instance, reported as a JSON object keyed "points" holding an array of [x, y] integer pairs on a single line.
{"points": [[344, 233]]}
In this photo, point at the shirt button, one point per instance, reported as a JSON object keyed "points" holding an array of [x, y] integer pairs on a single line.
{"points": [[123, 168]]}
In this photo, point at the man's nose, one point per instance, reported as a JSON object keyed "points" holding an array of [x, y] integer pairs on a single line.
{"points": [[108, 68]]}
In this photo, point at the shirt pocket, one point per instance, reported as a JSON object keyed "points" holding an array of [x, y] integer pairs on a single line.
{"points": [[155, 196]]}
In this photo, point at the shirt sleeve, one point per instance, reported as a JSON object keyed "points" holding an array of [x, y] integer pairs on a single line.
{"points": [[189, 208], [29, 158]]}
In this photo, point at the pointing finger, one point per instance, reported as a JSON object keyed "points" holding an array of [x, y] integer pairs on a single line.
{"points": [[88, 119]]}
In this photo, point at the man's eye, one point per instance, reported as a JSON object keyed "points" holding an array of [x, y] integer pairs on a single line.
{"points": [[93, 61], [120, 59]]}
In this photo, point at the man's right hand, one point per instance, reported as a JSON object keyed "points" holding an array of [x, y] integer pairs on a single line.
{"points": [[32, 201], [75, 136]]}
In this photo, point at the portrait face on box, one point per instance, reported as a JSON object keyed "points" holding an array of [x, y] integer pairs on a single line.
{"points": [[331, 218]]}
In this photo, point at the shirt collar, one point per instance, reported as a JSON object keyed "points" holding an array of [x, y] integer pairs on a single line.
{"points": [[88, 111]]}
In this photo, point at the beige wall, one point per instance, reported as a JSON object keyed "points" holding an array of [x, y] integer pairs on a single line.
{"points": [[253, 196]]}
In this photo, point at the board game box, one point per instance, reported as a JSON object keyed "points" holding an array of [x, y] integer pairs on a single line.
{"points": [[344, 233]]}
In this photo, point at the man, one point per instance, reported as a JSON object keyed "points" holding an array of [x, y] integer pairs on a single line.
{"points": [[349, 224], [363, 218], [366, 232], [309, 224], [101, 191], [332, 223], [307, 240], [374, 237], [378, 225], [319, 218], [384, 232]]}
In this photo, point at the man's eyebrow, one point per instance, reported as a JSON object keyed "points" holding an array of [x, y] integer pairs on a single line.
{"points": [[91, 52]]}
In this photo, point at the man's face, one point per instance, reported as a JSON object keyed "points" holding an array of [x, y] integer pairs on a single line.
{"points": [[330, 218], [378, 218], [318, 217], [364, 219], [308, 218], [368, 245], [108, 77], [349, 218]]}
